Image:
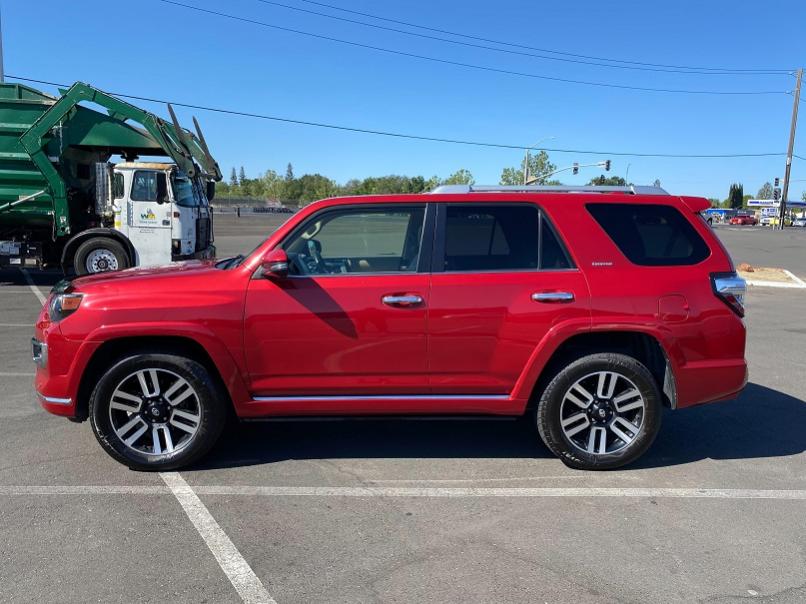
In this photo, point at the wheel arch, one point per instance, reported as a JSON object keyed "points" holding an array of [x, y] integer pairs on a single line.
{"points": [[69, 250], [113, 350], [645, 347]]}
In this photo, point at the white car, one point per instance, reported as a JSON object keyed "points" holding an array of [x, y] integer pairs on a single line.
{"points": [[799, 222]]}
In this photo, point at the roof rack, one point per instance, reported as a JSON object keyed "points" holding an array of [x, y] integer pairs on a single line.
{"points": [[630, 190]]}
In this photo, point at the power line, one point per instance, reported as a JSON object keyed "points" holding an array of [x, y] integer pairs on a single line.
{"points": [[596, 63], [557, 52], [468, 65], [414, 136]]}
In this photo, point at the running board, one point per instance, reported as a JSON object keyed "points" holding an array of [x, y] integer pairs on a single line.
{"points": [[375, 404]]}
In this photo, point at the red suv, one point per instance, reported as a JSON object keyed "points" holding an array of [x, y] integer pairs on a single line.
{"points": [[589, 308]]}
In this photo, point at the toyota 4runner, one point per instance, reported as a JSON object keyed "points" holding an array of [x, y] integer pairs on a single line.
{"points": [[590, 309]]}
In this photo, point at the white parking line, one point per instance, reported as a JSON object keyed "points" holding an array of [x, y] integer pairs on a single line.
{"points": [[238, 571], [37, 292], [177, 486]]}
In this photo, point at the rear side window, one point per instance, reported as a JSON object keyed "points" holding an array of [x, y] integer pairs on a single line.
{"points": [[500, 237], [651, 235]]}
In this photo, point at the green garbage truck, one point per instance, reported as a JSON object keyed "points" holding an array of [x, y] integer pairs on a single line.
{"points": [[64, 203]]}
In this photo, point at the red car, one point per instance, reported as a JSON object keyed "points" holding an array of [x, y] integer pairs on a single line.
{"points": [[591, 309], [744, 219]]}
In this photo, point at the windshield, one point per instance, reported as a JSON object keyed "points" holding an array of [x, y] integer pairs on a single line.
{"points": [[185, 194]]}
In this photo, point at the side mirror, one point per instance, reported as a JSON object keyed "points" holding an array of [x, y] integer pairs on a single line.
{"points": [[275, 264], [210, 190], [162, 187]]}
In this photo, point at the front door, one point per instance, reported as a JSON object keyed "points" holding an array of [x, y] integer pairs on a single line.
{"points": [[149, 222], [350, 319], [501, 281]]}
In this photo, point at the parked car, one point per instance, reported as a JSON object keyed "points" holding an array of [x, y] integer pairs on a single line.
{"points": [[744, 219], [589, 310], [799, 222]]}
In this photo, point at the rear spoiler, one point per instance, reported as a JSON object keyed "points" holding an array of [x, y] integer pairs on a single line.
{"points": [[695, 204]]}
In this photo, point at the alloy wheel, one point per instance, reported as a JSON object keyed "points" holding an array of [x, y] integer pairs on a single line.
{"points": [[155, 411], [101, 260], [602, 412]]}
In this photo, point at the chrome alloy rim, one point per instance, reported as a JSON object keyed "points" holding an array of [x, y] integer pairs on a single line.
{"points": [[155, 411], [602, 412], [101, 260]]}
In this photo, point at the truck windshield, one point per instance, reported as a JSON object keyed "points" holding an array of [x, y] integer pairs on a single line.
{"points": [[185, 194]]}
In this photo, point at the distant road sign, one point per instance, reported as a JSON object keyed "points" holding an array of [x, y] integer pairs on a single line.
{"points": [[768, 203]]}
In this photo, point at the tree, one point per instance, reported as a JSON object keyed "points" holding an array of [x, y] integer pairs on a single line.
{"points": [[803, 197], [765, 192], [608, 181], [289, 172], [460, 177], [736, 196], [233, 178], [656, 183], [539, 166]]}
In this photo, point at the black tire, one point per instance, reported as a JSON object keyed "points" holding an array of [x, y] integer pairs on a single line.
{"points": [[210, 401], [113, 248], [550, 413]]}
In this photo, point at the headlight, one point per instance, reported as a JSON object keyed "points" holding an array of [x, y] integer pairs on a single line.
{"points": [[64, 305]]}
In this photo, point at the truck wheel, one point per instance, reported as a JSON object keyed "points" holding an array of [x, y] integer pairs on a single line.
{"points": [[600, 412], [157, 411], [98, 255]]}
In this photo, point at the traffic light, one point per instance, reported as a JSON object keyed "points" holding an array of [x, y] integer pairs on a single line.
{"points": [[607, 165], [776, 182], [776, 193], [576, 168]]}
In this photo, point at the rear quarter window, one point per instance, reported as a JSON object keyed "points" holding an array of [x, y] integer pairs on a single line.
{"points": [[651, 234]]}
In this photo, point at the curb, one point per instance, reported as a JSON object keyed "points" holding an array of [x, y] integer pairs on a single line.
{"points": [[797, 282]]}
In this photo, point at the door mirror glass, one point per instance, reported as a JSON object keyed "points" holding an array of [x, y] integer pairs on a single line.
{"points": [[162, 187], [210, 190], [275, 264]]}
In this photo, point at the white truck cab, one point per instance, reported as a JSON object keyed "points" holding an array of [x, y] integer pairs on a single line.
{"points": [[163, 213]]}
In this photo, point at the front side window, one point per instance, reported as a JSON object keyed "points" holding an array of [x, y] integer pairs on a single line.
{"points": [[358, 240], [500, 237], [185, 194], [144, 186], [651, 234]]}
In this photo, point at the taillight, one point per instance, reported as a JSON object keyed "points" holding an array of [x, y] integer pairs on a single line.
{"points": [[731, 289]]}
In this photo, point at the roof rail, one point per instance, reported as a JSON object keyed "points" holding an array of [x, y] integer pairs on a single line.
{"points": [[631, 189]]}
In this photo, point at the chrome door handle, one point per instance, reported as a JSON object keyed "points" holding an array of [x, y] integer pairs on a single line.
{"points": [[553, 297], [402, 300]]}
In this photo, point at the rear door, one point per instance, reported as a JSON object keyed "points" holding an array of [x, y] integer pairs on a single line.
{"points": [[501, 280]]}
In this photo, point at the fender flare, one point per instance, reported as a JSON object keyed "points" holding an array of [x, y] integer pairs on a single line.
{"points": [[72, 244], [559, 334]]}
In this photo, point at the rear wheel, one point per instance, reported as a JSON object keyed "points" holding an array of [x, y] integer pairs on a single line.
{"points": [[100, 254], [600, 412], [157, 411]]}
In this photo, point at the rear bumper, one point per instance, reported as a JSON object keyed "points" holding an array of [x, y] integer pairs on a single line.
{"points": [[710, 381]]}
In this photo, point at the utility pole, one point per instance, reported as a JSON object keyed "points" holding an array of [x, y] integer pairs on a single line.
{"points": [[2, 71], [526, 167], [790, 150]]}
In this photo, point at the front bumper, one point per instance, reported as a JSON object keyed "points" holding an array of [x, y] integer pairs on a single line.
{"points": [[207, 253]]}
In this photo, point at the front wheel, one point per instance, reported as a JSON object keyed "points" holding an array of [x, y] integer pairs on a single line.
{"points": [[600, 412], [157, 411], [99, 255]]}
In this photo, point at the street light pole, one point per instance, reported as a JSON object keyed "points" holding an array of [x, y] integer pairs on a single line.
{"points": [[526, 157], [790, 150]]}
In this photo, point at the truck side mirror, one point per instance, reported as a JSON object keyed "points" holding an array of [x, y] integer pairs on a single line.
{"points": [[162, 187], [275, 264], [210, 190]]}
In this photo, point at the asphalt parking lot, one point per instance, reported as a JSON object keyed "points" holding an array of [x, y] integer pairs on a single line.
{"points": [[412, 511]]}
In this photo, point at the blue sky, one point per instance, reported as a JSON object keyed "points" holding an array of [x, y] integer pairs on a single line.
{"points": [[168, 52]]}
